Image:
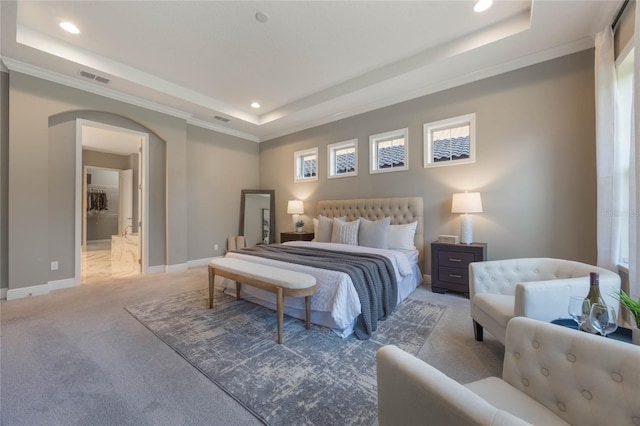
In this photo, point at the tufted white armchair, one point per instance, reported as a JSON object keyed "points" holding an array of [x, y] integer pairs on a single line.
{"points": [[537, 288], [551, 375]]}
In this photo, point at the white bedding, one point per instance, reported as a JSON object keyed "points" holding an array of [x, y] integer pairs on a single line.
{"points": [[335, 304]]}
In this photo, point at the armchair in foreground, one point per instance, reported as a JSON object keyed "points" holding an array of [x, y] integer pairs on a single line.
{"points": [[551, 375]]}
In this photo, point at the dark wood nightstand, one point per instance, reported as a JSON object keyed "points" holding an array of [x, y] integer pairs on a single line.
{"points": [[450, 265], [296, 236]]}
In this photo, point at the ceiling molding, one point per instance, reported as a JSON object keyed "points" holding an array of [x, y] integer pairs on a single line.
{"points": [[220, 129], [525, 61], [34, 71], [58, 48]]}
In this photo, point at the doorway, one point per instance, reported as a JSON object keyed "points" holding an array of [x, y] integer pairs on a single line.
{"points": [[111, 202]]}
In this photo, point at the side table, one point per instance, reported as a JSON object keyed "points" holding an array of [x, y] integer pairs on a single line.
{"points": [[296, 236], [450, 265]]}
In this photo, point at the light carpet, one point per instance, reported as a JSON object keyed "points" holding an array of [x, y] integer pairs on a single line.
{"points": [[314, 377]]}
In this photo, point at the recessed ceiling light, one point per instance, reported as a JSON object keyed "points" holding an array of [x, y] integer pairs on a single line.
{"points": [[69, 27], [255, 105], [482, 5]]}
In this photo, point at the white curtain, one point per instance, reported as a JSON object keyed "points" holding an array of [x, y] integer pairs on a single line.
{"points": [[634, 196], [609, 186]]}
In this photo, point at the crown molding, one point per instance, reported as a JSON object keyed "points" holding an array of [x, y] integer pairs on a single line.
{"points": [[34, 71], [512, 65], [220, 129]]}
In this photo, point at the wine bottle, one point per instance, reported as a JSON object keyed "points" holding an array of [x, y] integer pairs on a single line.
{"points": [[593, 297]]}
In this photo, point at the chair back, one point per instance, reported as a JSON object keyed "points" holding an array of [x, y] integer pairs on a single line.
{"points": [[583, 378]]}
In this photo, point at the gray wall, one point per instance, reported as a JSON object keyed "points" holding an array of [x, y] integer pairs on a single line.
{"points": [[218, 168], [4, 178], [39, 175], [535, 163]]}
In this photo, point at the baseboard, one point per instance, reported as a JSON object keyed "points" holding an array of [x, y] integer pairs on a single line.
{"points": [[199, 262], [178, 267], [3, 293], [158, 269], [34, 290], [426, 279], [66, 283]]}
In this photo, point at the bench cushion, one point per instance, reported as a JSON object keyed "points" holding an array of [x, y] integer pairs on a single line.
{"points": [[276, 276]]}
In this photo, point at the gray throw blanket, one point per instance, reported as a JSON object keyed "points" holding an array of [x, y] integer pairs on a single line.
{"points": [[373, 277]]}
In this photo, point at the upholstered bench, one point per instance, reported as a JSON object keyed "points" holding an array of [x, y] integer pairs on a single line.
{"points": [[282, 282]]}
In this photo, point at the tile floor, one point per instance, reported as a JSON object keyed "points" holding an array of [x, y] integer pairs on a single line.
{"points": [[97, 265]]}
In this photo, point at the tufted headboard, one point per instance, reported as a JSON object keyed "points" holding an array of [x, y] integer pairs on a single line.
{"points": [[400, 210]]}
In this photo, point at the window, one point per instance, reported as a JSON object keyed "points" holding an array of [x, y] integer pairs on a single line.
{"points": [[306, 165], [451, 141], [624, 74], [343, 159], [389, 152]]}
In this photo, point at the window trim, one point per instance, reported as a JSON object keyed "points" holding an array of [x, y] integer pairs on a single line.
{"points": [[427, 129], [383, 137], [297, 170], [331, 158]]}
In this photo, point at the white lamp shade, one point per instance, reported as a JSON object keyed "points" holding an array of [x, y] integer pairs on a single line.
{"points": [[295, 207], [466, 202]]}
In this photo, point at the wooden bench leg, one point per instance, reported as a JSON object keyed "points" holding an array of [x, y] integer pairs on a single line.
{"points": [[280, 311], [307, 306], [212, 280], [238, 289]]}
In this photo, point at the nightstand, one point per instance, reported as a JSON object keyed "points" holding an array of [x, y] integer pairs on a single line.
{"points": [[450, 265], [296, 236]]}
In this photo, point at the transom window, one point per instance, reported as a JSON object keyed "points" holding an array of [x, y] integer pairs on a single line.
{"points": [[343, 159], [450, 141], [389, 151], [306, 165]]}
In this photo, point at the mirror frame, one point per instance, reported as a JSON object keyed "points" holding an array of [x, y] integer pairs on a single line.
{"points": [[272, 210]]}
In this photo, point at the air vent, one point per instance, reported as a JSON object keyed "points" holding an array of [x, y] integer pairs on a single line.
{"points": [[92, 76], [224, 120]]}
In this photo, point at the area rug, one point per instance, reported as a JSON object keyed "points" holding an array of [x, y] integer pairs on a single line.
{"points": [[314, 377]]}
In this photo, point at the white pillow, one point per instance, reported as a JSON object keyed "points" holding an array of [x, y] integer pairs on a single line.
{"points": [[400, 237], [345, 232], [374, 234], [323, 228]]}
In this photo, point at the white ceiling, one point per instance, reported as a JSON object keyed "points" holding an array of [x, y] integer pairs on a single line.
{"points": [[311, 63]]}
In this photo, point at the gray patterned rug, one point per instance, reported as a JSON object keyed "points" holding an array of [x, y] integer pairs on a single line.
{"points": [[314, 377]]}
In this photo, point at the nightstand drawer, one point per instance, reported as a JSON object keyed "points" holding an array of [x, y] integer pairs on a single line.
{"points": [[455, 259], [453, 275]]}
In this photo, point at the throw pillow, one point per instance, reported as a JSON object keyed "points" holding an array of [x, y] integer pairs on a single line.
{"points": [[345, 232], [374, 234], [325, 228], [401, 236]]}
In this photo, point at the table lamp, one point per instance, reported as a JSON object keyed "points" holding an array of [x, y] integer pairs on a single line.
{"points": [[465, 203], [296, 208]]}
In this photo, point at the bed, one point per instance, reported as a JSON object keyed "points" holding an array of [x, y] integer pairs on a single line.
{"points": [[336, 304]]}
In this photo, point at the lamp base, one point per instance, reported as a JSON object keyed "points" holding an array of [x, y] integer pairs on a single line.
{"points": [[466, 229], [296, 218]]}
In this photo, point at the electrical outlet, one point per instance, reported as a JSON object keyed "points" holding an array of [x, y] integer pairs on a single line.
{"points": [[54, 265], [215, 247]]}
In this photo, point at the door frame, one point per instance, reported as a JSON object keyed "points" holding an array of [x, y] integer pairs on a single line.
{"points": [[143, 203]]}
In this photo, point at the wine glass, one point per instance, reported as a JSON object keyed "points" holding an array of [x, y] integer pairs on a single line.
{"points": [[603, 318], [579, 309]]}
